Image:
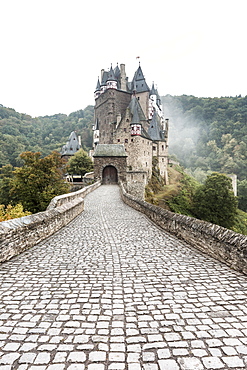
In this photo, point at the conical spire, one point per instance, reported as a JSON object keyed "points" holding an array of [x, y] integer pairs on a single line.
{"points": [[98, 86], [111, 75], [139, 79]]}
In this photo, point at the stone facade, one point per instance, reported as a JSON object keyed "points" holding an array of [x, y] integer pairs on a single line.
{"points": [[130, 113], [20, 234], [222, 244]]}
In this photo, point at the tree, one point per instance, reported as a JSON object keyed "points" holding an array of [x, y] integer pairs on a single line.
{"points": [[38, 180], [6, 179], [242, 195], [12, 212], [79, 164], [215, 202]]}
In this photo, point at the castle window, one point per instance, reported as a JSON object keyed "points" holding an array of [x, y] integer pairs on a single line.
{"points": [[124, 129], [132, 140], [162, 147], [154, 147], [162, 159], [126, 140], [146, 164], [118, 140]]}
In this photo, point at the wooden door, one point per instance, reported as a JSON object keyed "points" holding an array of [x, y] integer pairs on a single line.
{"points": [[110, 175]]}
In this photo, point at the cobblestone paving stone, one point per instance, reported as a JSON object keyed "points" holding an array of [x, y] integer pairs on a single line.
{"points": [[113, 291]]}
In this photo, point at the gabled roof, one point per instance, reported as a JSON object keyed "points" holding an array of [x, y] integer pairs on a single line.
{"points": [[154, 129], [110, 150], [72, 145]]}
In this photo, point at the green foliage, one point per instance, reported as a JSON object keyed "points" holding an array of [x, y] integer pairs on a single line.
{"points": [[20, 133], [6, 179], [38, 181], [209, 135], [155, 184], [182, 202], [10, 212], [80, 163], [215, 202], [242, 195], [240, 224]]}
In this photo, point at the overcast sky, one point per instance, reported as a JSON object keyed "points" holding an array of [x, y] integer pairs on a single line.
{"points": [[52, 51]]}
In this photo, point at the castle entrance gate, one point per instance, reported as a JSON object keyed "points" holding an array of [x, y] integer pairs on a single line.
{"points": [[109, 175]]}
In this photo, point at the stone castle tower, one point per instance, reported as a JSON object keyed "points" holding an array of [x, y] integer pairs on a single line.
{"points": [[129, 130]]}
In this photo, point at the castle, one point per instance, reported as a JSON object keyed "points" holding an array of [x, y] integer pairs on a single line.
{"points": [[130, 133]]}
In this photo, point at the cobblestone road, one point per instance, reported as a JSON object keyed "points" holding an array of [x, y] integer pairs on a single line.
{"points": [[112, 291]]}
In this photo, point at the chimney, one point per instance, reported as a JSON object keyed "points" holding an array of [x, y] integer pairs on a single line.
{"points": [[123, 77], [102, 72]]}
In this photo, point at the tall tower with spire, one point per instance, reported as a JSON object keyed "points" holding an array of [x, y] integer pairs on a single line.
{"points": [[128, 115]]}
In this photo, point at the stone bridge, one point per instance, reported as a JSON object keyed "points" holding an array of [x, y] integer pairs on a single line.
{"points": [[111, 290]]}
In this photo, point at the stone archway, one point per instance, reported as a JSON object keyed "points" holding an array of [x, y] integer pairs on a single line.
{"points": [[110, 175]]}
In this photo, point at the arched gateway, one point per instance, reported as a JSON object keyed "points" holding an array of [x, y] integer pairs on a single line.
{"points": [[109, 175], [110, 163]]}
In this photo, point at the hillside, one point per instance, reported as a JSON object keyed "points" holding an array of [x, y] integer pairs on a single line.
{"points": [[210, 134], [20, 132], [178, 196], [205, 135]]}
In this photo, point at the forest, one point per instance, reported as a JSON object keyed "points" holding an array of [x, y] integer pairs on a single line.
{"points": [[205, 135], [209, 135], [20, 132]]}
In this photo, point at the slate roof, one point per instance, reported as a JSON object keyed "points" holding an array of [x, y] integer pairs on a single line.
{"points": [[140, 82], [110, 150], [154, 129], [72, 145], [138, 117], [111, 75], [136, 109], [98, 85]]}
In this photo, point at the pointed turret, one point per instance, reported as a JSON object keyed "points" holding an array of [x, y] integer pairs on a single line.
{"points": [[117, 72], [97, 90], [138, 118], [153, 90], [111, 81], [72, 145], [104, 77], [141, 85]]}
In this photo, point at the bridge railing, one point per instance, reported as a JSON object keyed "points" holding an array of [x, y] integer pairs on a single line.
{"points": [[19, 234], [222, 244]]}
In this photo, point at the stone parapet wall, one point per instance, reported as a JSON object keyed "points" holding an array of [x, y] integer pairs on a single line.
{"points": [[222, 244], [22, 233], [65, 198]]}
